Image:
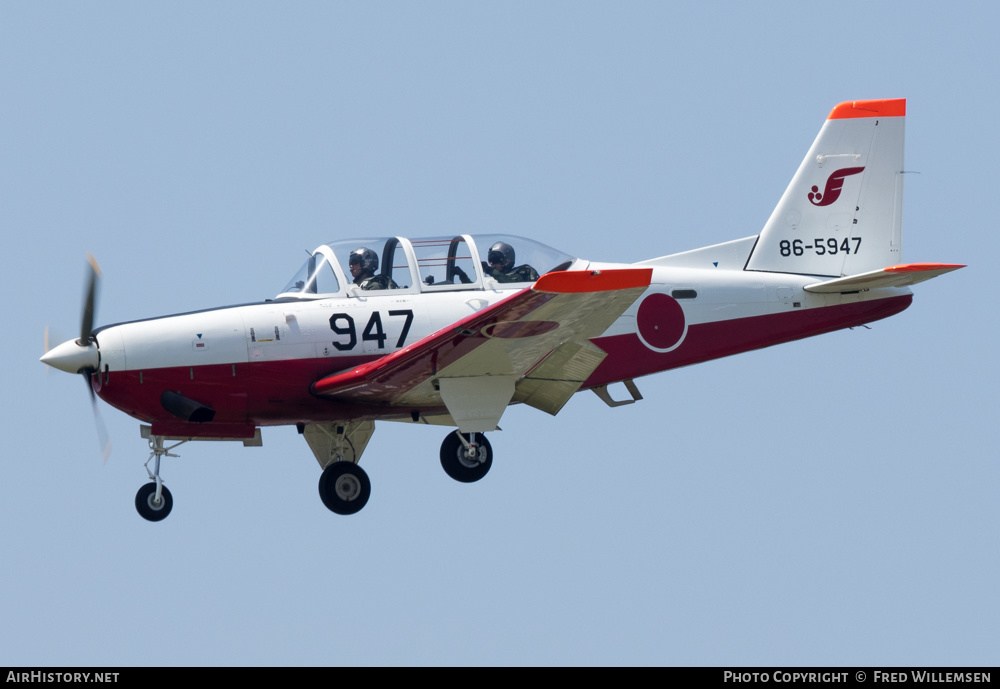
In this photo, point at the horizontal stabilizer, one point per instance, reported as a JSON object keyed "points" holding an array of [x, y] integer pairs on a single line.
{"points": [[893, 276]]}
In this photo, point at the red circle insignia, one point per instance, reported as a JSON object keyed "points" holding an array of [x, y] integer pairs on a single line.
{"points": [[661, 321]]}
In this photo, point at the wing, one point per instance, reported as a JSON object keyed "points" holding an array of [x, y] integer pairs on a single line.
{"points": [[531, 347]]}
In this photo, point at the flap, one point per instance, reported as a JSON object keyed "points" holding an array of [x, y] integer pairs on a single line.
{"points": [[549, 385]]}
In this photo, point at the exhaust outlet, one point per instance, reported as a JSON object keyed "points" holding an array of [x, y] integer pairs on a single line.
{"points": [[186, 408]]}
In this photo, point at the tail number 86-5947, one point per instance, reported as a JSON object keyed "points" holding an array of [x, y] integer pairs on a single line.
{"points": [[821, 246]]}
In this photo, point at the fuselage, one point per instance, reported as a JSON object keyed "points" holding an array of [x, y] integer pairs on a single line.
{"points": [[254, 364]]}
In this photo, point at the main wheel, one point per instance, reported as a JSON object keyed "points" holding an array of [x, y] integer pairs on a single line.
{"points": [[457, 462], [344, 487], [148, 508]]}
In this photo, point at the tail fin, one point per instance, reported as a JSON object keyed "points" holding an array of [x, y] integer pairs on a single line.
{"points": [[842, 212]]}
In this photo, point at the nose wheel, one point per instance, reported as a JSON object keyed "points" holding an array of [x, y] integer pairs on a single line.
{"points": [[466, 457], [153, 507]]}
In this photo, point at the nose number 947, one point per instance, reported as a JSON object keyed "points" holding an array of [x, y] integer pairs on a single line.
{"points": [[343, 324]]}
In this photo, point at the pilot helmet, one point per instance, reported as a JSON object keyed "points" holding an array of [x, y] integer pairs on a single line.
{"points": [[502, 253], [366, 257]]}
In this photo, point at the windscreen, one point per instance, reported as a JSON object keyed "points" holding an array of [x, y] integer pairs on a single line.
{"points": [[315, 277]]}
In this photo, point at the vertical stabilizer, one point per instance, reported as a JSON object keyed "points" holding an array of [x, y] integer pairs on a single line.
{"points": [[842, 212]]}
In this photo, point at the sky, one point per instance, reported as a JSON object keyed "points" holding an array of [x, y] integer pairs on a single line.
{"points": [[831, 501]]}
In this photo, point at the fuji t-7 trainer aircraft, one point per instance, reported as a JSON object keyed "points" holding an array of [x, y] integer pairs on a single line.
{"points": [[451, 330]]}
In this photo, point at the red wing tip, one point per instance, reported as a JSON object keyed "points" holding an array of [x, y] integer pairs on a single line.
{"points": [[579, 281], [892, 107], [921, 267]]}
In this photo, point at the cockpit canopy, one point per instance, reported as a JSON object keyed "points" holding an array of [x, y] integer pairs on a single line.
{"points": [[458, 262]]}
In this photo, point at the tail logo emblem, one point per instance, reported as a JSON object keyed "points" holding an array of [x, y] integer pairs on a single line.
{"points": [[834, 184]]}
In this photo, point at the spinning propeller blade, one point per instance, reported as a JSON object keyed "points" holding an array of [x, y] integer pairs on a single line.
{"points": [[82, 355], [102, 431], [90, 301]]}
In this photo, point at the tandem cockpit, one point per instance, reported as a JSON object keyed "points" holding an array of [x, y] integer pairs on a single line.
{"points": [[435, 264]]}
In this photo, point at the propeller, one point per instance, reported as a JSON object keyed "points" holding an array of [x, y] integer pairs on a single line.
{"points": [[90, 302], [102, 431], [82, 355]]}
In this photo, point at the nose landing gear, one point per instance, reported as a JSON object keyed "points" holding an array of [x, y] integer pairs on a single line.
{"points": [[153, 501]]}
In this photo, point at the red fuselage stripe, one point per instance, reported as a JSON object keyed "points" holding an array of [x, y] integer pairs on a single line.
{"points": [[629, 358]]}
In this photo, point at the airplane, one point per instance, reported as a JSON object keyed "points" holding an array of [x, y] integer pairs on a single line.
{"points": [[450, 330]]}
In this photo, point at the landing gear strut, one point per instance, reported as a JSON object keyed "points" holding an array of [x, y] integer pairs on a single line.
{"points": [[466, 457], [154, 501], [344, 487]]}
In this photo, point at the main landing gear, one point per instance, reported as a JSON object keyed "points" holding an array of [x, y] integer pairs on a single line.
{"points": [[154, 501], [466, 459], [344, 487]]}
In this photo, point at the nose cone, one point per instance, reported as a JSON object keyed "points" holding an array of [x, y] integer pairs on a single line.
{"points": [[73, 357]]}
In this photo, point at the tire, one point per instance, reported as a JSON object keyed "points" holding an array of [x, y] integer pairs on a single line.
{"points": [[457, 465], [344, 488], [144, 503]]}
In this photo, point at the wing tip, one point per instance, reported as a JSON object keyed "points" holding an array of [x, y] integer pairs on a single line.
{"points": [[923, 267]]}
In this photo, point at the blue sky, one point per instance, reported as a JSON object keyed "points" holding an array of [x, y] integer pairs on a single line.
{"points": [[830, 501]]}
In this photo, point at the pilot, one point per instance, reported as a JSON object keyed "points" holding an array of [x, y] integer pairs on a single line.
{"points": [[363, 263], [499, 265]]}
